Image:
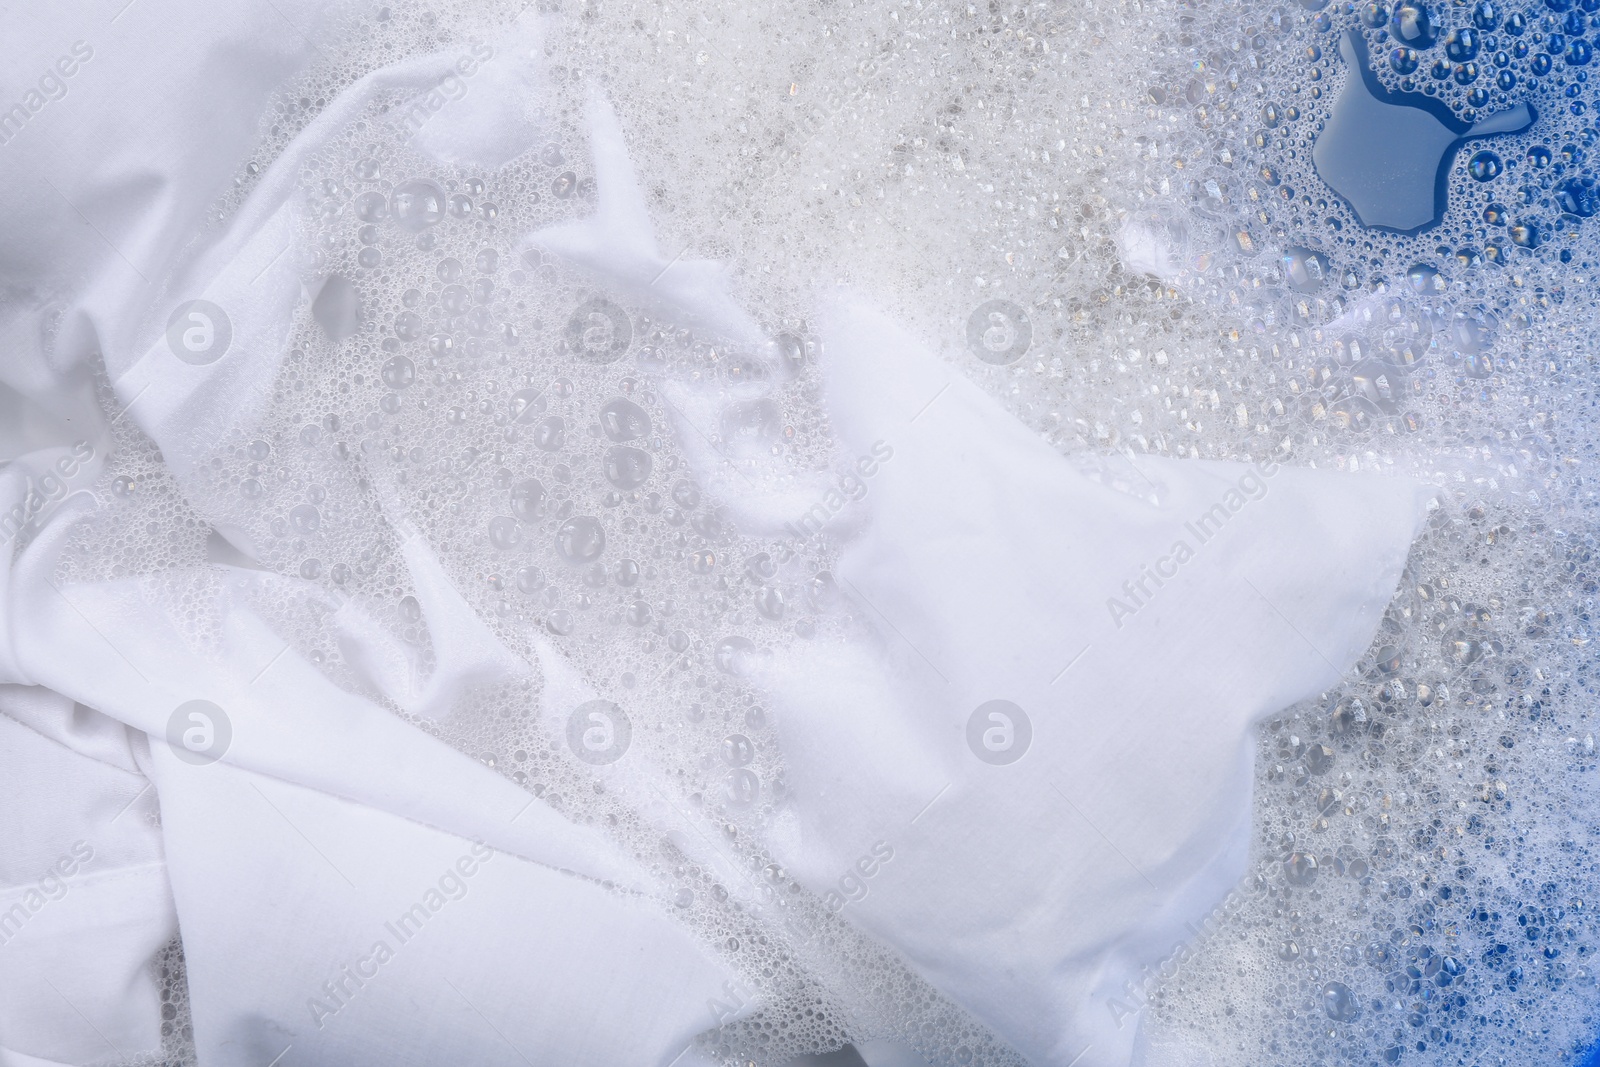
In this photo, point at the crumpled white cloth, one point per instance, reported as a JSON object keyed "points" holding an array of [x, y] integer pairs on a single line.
{"points": [[1027, 891], [84, 898], [348, 888], [1042, 773], [1029, 862]]}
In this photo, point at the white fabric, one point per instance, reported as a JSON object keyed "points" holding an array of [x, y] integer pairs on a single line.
{"points": [[328, 816], [259, 868], [1031, 893], [507, 962], [84, 900], [618, 241], [1027, 892]]}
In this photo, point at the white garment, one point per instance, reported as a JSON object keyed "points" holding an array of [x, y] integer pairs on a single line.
{"points": [[84, 900], [328, 816], [370, 938], [1026, 891], [1030, 890]]}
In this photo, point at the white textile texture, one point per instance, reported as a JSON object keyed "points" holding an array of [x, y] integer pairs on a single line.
{"points": [[1023, 776]]}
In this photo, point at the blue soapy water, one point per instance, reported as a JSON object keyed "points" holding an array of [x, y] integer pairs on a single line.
{"points": [[1400, 216], [1392, 135], [1388, 154], [1399, 94]]}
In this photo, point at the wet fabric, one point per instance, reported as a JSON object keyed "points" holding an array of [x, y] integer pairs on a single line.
{"points": [[339, 868], [1037, 778], [1024, 786]]}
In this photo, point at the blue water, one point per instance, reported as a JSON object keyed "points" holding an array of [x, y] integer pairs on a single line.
{"points": [[1388, 154]]}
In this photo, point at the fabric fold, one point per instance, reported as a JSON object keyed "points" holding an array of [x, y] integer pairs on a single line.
{"points": [[1052, 739], [228, 719], [84, 899], [376, 940]]}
